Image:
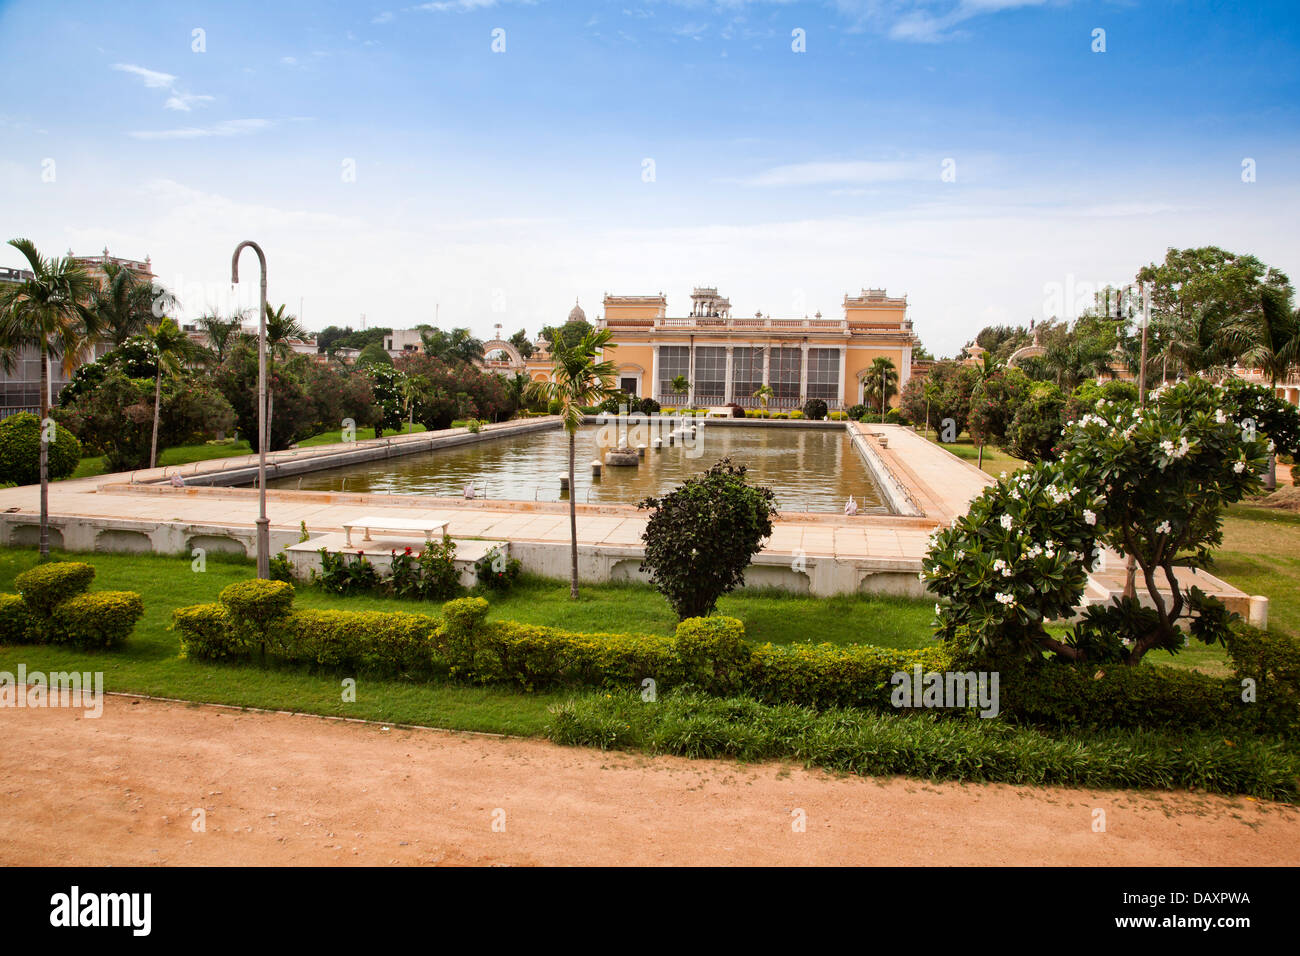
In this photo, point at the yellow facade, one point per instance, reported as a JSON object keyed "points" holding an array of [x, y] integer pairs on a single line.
{"points": [[726, 359]]}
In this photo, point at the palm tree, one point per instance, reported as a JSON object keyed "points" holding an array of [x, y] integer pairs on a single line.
{"points": [[764, 393], [1276, 347], [125, 304], [222, 334], [578, 380], [880, 381], [280, 328], [48, 311], [1073, 362], [680, 386], [452, 347], [173, 347]]}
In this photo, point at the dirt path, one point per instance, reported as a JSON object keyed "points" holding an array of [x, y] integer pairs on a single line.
{"points": [[278, 789]]}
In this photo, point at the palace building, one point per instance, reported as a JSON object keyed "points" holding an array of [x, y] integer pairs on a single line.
{"points": [[727, 359]]}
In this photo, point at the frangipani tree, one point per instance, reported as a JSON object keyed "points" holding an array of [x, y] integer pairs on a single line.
{"points": [[1149, 482]]}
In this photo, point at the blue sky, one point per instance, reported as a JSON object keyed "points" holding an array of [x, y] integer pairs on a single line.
{"points": [[498, 186]]}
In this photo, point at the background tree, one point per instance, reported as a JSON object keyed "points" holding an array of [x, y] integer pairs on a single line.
{"points": [[221, 334], [171, 349], [523, 345], [578, 380], [124, 305], [374, 354], [458, 345], [880, 383], [680, 386], [48, 312], [281, 329]]}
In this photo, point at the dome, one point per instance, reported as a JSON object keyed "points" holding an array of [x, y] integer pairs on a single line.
{"points": [[577, 315]]}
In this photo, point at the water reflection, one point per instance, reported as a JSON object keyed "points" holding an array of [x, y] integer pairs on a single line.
{"points": [[809, 469]]}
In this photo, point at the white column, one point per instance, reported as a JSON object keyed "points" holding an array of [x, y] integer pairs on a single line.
{"points": [[767, 364], [803, 371], [690, 392], [654, 374], [727, 389], [844, 370], [905, 370]]}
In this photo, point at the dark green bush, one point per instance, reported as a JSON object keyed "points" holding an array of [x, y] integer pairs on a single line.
{"points": [[495, 571], [1272, 662], [714, 652], [208, 633], [815, 409], [20, 450], [16, 623], [857, 411], [98, 621], [46, 585]]}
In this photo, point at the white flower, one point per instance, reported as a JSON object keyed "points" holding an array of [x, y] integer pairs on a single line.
{"points": [[1271, 446], [920, 576], [1163, 528], [1005, 521], [1005, 598], [1219, 417], [1239, 467], [938, 610], [1050, 552], [1089, 516]]}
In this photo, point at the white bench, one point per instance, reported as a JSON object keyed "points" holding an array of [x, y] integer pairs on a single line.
{"points": [[429, 527]]}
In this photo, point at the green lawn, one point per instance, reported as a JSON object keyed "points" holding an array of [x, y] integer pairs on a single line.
{"points": [[1261, 554], [363, 434], [995, 460], [149, 663], [180, 455]]}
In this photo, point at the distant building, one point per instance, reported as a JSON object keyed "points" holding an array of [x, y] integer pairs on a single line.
{"points": [[401, 341], [727, 359], [20, 390]]}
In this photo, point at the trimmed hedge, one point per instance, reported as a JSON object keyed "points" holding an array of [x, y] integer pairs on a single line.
{"points": [[52, 607], [102, 620], [20, 450], [46, 585], [712, 655], [17, 626]]}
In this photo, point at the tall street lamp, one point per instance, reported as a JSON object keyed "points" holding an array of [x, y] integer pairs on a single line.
{"points": [[263, 522]]}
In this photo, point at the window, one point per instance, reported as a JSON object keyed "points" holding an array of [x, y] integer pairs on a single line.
{"points": [[746, 372], [627, 386], [784, 372], [674, 360], [710, 374], [824, 374]]}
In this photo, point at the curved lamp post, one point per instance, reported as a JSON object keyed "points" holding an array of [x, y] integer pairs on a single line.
{"points": [[263, 522]]}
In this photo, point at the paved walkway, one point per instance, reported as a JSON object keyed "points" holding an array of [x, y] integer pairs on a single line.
{"points": [[942, 483]]}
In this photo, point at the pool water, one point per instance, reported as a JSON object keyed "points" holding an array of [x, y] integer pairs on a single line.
{"points": [[809, 469]]}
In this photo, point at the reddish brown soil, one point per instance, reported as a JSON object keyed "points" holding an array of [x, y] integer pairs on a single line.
{"points": [[279, 789]]}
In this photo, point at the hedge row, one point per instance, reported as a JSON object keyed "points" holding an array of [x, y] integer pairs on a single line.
{"points": [[51, 607], [256, 618]]}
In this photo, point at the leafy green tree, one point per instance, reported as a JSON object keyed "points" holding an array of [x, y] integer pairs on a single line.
{"points": [[680, 385], [1150, 482], [222, 334], [579, 379], [47, 312], [880, 383], [125, 304], [995, 399], [703, 535], [523, 345], [458, 345], [374, 354], [567, 335], [171, 348], [1035, 429], [1276, 346], [1204, 303]]}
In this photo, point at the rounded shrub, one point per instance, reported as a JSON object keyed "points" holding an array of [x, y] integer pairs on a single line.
{"points": [[257, 602], [47, 585], [207, 633], [96, 621], [16, 624], [814, 409], [857, 411], [20, 450]]}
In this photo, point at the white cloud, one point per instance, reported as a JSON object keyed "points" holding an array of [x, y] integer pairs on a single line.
{"points": [[152, 78], [385, 17], [240, 127], [183, 101]]}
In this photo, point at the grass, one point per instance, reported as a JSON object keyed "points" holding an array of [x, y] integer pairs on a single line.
{"points": [[926, 746], [363, 434], [179, 455], [150, 662], [995, 459]]}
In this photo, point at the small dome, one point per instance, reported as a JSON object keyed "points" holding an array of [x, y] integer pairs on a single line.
{"points": [[577, 315]]}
